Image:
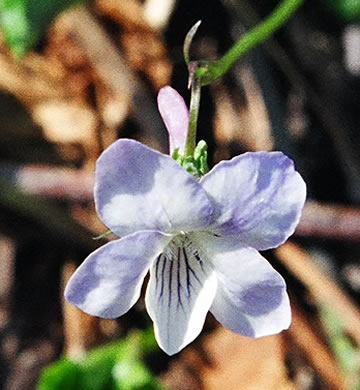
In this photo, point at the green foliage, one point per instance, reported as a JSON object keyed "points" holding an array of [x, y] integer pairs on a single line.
{"points": [[24, 21], [97, 367], [345, 351], [134, 375], [62, 375], [116, 366], [349, 10]]}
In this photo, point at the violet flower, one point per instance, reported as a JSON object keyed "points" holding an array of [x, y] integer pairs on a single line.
{"points": [[199, 239]]}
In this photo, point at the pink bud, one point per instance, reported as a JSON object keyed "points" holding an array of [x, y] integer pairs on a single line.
{"points": [[175, 115]]}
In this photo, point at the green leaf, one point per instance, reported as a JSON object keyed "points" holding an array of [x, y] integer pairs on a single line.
{"points": [[134, 375], [131, 373], [62, 375], [24, 21], [98, 367], [115, 366], [349, 10], [344, 350], [148, 342]]}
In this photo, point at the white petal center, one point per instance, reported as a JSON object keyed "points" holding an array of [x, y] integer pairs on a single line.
{"points": [[181, 289]]}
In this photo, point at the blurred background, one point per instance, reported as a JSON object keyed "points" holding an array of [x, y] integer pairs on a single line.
{"points": [[75, 79]]}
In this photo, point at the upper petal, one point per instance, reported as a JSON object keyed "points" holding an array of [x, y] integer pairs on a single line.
{"points": [[251, 298], [175, 115], [138, 188], [258, 197], [109, 281], [180, 291]]}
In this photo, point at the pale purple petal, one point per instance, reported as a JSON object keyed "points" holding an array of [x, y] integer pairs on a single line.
{"points": [[175, 115], [251, 298], [258, 197], [138, 188], [180, 291], [108, 282]]}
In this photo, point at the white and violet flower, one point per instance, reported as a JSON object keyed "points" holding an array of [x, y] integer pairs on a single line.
{"points": [[199, 239]]}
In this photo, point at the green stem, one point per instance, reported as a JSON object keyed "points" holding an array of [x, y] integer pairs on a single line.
{"points": [[215, 70], [194, 111]]}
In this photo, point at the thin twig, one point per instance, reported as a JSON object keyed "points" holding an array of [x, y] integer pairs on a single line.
{"points": [[308, 341], [322, 287], [330, 221]]}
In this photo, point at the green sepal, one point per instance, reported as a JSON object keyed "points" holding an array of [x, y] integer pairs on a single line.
{"points": [[177, 156], [200, 156], [104, 235], [190, 166], [197, 164]]}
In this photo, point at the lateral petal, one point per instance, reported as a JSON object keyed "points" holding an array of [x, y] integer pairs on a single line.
{"points": [[251, 298], [138, 188], [108, 282], [180, 291], [258, 197], [175, 115]]}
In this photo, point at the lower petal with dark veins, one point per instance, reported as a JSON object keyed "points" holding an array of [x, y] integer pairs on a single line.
{"points": [[181, 289]]}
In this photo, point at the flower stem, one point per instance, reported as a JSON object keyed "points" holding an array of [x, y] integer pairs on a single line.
{"points": [[194, 110], [215, 70], [205, 72]]}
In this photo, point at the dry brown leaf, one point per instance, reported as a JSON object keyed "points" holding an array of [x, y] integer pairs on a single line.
{"points": [[242, 363], [53, 95], [113, 108], [65, 121], [31, 80], [146, 53], [143, 45], [129, 13]]}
